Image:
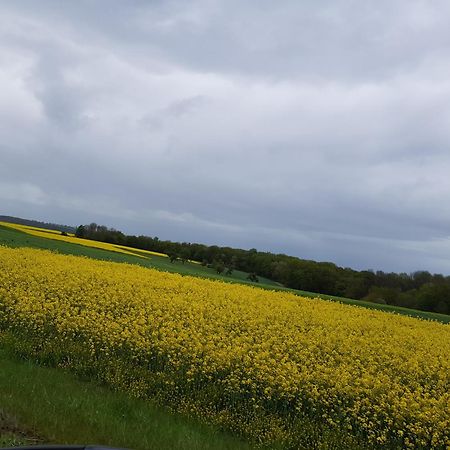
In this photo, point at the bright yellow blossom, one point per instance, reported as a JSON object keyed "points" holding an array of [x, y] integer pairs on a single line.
{"points": [[259, 362]]}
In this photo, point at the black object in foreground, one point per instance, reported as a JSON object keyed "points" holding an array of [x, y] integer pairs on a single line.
{"points": [[62, 447]]}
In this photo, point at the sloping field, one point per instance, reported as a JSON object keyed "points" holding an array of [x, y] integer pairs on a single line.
{"points": [[13, 236], [56, 235], [16, 235], [272, 366]]}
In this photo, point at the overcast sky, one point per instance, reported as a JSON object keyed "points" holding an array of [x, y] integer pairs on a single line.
{"points": [[319, 129]]}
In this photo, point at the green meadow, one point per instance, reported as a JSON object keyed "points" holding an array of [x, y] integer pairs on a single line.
{"points": [[41, 405]]}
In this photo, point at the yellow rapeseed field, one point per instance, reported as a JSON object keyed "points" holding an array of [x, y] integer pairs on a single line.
{"points": [[261, 363], [71, 238]]}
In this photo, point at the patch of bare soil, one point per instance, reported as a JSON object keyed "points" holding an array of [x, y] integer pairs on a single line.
{"points": [[13, 434]]}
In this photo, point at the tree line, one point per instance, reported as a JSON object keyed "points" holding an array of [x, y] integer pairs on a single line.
{"points": [[419, 290]]}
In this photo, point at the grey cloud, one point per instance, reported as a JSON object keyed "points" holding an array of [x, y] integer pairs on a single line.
{"points": [[186, 105], [310, 40], [61, 103], [314, 129]]}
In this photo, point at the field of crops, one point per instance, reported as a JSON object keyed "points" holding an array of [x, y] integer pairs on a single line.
{"points": [[72, 239], [16, 235], [272, 366]]}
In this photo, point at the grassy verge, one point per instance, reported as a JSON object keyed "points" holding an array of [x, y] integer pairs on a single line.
{"points": [[12, 434], [59, 408], [15, 238]]}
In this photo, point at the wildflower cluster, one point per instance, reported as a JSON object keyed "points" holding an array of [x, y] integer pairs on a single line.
{"points": [[261, 363]]}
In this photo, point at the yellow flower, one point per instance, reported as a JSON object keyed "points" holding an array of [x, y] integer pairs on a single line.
{"points": [[244, 357]]}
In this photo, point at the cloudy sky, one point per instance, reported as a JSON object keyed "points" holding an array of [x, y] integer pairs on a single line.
{"points": [[316, 129]]}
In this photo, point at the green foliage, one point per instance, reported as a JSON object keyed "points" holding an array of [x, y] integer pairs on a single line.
{"points": [[253, 277], [80, 232], [219, 267], [382, 295], [11, 435], [173, 257], [435, 297], [63, 409]]}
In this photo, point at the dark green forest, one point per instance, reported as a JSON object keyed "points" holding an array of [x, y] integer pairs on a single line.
{"points": [[419, 290]]}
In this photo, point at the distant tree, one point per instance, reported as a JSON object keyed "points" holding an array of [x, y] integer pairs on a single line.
{"points": [[253, 277], [92, 229], [211, 253], [384, 295], [63, 233], [184, 255], [229, 271], [219, 267], [280, 271], [172, 256], [355, 287], [408, 299], [420, 278], [80, 232], [435, 297]]}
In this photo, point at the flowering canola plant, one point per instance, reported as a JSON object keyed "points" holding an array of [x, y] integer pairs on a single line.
{"points": [[259, 362]]}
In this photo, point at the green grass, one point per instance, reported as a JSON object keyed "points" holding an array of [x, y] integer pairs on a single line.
{"points": [[12, 434], [10, 439], [58, 407], [16, 238]]}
